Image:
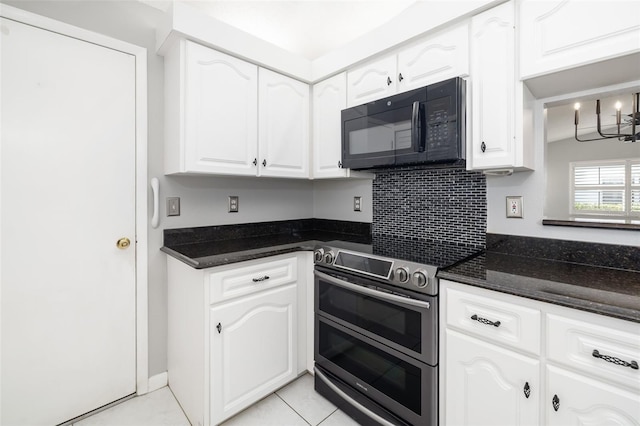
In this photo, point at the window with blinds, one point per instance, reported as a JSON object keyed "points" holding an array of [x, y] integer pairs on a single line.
{"points": [[610, 188]]}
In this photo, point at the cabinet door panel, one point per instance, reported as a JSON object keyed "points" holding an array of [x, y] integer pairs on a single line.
{"points": [[584, 401], [221, 112], [372, 81], [492, 87], [254, 352], [572, 343], [485, 384], [606, 29], [518, 327], [329, 99], [245, 280], [284, 126], [443, 56]]}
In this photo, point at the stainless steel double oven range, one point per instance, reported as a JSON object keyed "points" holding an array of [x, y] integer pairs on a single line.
{"points": [[376, 329]]}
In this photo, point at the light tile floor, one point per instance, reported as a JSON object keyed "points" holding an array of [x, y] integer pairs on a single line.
{"points": [[295, 404]]}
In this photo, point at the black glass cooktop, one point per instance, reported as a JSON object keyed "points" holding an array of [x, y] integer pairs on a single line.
{"points": [[427, 252]]}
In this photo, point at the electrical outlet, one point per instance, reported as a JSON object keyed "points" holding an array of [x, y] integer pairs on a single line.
{"points": [[357, 204], [514, 207], [173, 206], [233, 204]]}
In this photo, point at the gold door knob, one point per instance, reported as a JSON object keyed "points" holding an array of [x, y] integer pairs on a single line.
{"points": [[123, 243]]}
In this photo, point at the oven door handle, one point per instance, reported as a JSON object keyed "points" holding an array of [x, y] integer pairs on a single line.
{"points": [[379, 294], [352, 401]]}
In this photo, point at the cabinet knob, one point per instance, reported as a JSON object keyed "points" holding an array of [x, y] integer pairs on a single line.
{"points": [[219, 328], [264, 163], [527, 390], [255, 161], [400, 77], [483, 146], [388, 81], [555, 402], [339, 164]]}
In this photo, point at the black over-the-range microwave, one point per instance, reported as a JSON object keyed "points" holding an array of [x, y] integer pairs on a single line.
{"points": [[422, 126]]}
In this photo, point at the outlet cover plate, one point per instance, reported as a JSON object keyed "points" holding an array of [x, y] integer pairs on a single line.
{"points": [[234, 204], [173, 206], [357, 204], [514, 207]]}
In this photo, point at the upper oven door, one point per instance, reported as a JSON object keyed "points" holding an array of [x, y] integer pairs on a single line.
{"points": [[374, 134], [407, 325]]}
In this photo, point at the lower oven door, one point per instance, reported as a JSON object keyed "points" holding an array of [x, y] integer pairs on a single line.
{"points": [[399, 384]]}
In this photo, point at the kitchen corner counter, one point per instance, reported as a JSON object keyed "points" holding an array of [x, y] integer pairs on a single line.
{"points": [[604, 290], [206, 247]]}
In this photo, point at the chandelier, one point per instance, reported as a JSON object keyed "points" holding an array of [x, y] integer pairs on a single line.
{"points": [[632, 120]]}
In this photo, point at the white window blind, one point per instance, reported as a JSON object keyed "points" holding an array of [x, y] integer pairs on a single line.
{"points": [[609, 188], [635, 188]]}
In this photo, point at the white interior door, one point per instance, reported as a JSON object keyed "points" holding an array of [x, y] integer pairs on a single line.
{"points": [[67, 195]]}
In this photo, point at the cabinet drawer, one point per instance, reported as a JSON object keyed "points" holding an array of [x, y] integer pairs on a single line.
{"points": [[225, 285], [496, 320], [572, 342]]}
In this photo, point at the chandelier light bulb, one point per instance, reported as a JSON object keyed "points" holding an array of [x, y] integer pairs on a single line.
{"points": [[618, 106], [576, 106]]}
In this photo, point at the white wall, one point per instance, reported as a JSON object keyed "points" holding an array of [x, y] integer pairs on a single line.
{"points": [[333, 199], [532, 186]]}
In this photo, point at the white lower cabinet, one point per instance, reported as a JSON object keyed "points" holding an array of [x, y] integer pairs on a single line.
{"points": [[252, 349], [576, 399], [489, 385], [233, 333], [558, 367]]}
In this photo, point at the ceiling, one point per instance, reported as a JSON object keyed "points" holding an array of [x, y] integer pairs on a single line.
{"points": [[310, 28]]}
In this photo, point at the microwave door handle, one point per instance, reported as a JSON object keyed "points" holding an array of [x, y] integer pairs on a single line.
{"points": [[416, 137]]}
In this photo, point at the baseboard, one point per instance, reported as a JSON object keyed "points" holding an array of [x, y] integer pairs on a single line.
{"points": [[158, 381]]}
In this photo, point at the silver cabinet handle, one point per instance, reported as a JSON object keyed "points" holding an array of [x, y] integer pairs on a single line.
{"points": [[257, 280]]}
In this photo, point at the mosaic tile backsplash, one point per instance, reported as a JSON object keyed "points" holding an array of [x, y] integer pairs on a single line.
{"points": [[446, 204]]}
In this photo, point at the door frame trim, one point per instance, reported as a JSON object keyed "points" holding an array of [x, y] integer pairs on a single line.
{"points": [[142, 187]]}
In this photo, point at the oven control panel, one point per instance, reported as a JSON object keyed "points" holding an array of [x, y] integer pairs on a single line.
{"points": [[407, 275]]}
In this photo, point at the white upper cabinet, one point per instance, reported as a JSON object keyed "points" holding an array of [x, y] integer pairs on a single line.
{"points": [[442, 56], [497, 105], [283, 126], [215, 122], [373, 81], [211, 112], [438, 57], [599, 30], [329, 99]]}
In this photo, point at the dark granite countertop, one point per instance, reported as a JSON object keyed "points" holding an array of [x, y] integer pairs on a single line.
{"points": [[601, 288], [596, 278], [206, 247]]}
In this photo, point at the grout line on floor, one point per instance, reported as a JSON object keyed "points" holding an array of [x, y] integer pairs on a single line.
{"points": [[178, 402], [323, 420], [293, 409]]}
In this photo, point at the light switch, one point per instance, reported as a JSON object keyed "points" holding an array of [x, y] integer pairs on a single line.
{"points": [[173, 206]]}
